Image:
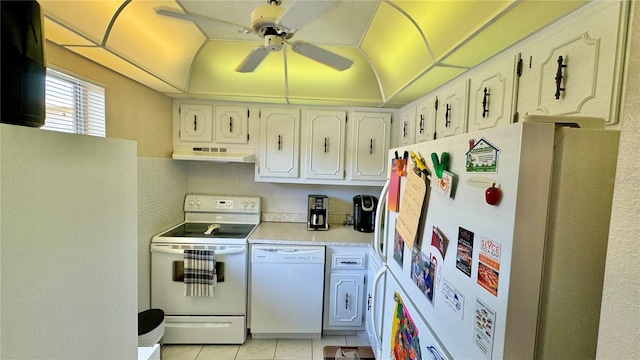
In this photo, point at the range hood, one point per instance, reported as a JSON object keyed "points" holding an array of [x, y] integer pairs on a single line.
{"points": [[214, 154]]}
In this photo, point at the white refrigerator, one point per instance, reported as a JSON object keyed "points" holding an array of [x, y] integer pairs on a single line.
{"points": [[68, 246], [500, 252]]}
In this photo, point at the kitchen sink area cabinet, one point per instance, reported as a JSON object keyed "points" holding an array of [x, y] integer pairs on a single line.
{"points": [[231, 124], [370, 145], [425, 122], [574, 67], [451, 117], [196, 123], [491, 92], [325, 144], [345, 282], [279, 144]]}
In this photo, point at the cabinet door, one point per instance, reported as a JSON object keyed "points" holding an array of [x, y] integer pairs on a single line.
{"points": [[425, 119], [575, 68], [232, 124], [279, 143], [491, 94], [326, 144], [407, 125], [370, 145], [346, 302], [196, 123], [451, 117]]}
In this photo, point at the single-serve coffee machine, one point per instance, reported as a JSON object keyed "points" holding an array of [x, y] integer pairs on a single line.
{"points": [[318, 212]]}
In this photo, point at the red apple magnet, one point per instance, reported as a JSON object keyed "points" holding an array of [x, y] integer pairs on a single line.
{"points": [[492, 195]]}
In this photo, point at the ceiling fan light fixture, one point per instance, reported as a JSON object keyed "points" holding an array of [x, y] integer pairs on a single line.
{"points": [[273, 42]]}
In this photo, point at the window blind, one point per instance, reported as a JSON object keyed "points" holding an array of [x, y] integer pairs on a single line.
{"points": [[74, 105]]}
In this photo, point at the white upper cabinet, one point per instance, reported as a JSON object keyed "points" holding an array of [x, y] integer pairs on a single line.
{"points": [[370, 145], [196, 123], [279, 143], [425, 119], [491, 91], [407, 125], [574, 68], [451, 112], [232, 124], [325, 144]]}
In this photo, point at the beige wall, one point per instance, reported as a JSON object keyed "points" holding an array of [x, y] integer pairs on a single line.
{"points": [[133, 111], [620, 318]]}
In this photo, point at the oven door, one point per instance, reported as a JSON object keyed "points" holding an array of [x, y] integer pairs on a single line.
{"points": [[168, 288]]}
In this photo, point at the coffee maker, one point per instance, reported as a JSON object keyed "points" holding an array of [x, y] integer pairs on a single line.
{"points": [[318, 212], [364, 213]]}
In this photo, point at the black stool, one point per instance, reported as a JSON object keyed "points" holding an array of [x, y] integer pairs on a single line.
{"points": [[150, 327]]}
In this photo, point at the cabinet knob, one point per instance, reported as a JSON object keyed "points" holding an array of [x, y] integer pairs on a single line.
{"points": [[485, 103], [447, 115], [559, 76]]}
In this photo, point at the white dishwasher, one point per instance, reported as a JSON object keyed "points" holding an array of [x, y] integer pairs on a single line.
{"points": [[287, 286]]}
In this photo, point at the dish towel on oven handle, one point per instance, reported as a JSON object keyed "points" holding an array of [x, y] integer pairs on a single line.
{"points": [[199, 272]]}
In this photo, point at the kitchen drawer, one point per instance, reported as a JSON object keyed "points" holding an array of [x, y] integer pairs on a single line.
{"points": [[348, 261]]}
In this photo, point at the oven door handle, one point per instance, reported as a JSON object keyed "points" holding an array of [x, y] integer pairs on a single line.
{"points": [[231, 251]]}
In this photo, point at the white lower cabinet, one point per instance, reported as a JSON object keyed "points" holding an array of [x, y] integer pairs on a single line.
{"points": [[345, 282], [346, 299]]}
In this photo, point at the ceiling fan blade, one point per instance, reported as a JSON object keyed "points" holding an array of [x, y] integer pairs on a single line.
{"points": [[196, 18], [302, 12], [321, 55], [252, 60]]}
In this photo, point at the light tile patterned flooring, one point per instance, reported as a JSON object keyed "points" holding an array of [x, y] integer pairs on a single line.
{"points": [[262, 349]]}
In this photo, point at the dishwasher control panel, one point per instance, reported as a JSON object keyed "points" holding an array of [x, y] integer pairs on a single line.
{"points": [[283, 254]]}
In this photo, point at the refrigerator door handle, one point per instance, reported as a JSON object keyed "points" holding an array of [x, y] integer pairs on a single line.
{"points": [[377, 332], [378, 239]]}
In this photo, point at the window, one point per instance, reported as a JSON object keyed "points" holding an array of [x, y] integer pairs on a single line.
{"points": [[73, 105]]}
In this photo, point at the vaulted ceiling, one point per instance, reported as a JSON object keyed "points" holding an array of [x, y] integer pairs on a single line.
{"points": [[400, 49]]}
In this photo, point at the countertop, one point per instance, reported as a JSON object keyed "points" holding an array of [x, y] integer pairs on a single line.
{"points": [[297, 234]]}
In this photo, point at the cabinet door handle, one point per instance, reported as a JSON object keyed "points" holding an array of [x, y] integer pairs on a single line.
{"points": [[195, 122], [346, 301], [326, 140], [421, 123], [371, 146], [279, 142], [369, 303], [447, 115], [559, 77], [230, 124], [485, 103], [404, 129]]}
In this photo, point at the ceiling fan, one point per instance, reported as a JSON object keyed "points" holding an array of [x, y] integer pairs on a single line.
{"points": [[276, 26]]}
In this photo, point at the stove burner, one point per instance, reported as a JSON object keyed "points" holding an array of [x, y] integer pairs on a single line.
{"points": [[199, 230]]}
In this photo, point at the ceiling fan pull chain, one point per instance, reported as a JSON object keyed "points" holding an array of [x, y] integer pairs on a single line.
{"points": [[485, 102], [559, 77]]}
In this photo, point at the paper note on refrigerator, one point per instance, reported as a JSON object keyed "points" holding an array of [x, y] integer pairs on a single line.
{"points": [[411, 208]]}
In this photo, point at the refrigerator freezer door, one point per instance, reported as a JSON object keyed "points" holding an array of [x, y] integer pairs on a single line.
{"points": [[405, 334]]}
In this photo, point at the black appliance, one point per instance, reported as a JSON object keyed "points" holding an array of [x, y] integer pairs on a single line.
{"points": [[23, 66], [364, 212]]}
